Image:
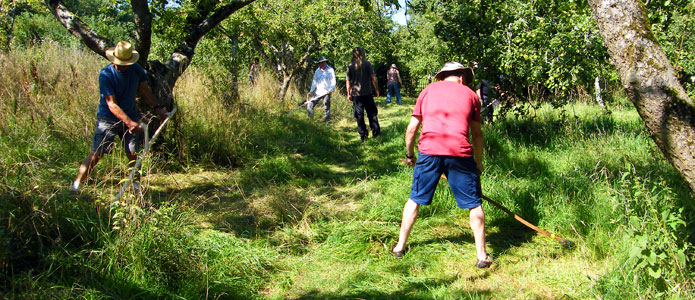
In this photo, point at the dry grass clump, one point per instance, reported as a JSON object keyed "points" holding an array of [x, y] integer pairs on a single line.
{"points": [[52, 86]]}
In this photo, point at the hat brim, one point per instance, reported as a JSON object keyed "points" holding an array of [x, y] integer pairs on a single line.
{"points": [[323, 60], [133, 58], [438, 75]]}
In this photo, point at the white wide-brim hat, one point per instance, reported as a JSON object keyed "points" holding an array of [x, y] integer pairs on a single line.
{"points": [[123, 54], [450, 66]]}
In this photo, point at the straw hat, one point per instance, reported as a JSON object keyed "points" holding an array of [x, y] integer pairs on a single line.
{"points": [[394, 66], [123, 54], [322, 59], [450, 66]]}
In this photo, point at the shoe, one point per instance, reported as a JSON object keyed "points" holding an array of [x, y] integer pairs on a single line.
{"points": [[75, 188], [484, 263], [398, 255]]}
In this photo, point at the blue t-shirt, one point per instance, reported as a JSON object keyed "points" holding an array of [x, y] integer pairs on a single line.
{"points": [[124, 87]]}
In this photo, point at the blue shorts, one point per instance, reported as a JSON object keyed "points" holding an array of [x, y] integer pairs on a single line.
{"points": [[106, 132], [462, 173]]}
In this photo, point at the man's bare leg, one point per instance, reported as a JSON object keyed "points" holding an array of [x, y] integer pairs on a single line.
{"points": [[86, 167], [477, 221], [410, 211]]}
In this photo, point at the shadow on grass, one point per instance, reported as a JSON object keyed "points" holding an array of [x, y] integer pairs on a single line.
{"points": [[409, 290], [295, 158]]}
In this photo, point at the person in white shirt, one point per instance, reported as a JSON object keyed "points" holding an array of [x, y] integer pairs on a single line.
{"points": [[321, 87]]}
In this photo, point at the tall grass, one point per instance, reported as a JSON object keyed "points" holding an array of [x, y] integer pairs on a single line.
{"points": [[251, 202]]}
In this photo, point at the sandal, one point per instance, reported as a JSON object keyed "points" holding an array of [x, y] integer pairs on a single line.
{"points": [[484, 263], [398, 255]]}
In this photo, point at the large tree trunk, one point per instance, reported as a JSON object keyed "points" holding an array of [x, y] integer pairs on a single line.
{"points": [[648, 77]]}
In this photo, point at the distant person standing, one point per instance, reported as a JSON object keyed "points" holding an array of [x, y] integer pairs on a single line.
{"points": [[117, 114], [322, 85], [483, 91], [253, 71], [393, 80], [448, 111], [361, 87]]}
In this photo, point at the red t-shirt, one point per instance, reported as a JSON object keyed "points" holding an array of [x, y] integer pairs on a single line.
{"points": [[446, 109]]}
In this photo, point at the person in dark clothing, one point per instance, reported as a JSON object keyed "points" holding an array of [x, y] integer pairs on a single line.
{"points": [[361, 87], [485, 95], [483, 91], [393, 80]]}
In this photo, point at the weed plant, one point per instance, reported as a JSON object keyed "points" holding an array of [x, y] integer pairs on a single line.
{"points": [[245, 201]]}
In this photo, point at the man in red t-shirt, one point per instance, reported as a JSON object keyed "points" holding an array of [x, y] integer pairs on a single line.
{"points": [[449, 111]]}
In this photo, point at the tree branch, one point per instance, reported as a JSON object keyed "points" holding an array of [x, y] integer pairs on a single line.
{"points": [[78, 28], [195, 30], [142, 17]]}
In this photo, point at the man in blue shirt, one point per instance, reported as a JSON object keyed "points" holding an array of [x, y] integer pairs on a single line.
{"points": [[117, 115]]}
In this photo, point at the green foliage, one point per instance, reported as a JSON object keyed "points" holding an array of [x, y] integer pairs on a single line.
{"points": [[417, 48], [10, 10], [35, 24], [673, 22], [552, 47], [656, 228], [546, 50], [336, 25], [36, 28]]}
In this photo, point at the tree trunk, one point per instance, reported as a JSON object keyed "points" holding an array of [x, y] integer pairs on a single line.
{"points": [[648, 77], [10, 31], [286, 79], [597, 89]]}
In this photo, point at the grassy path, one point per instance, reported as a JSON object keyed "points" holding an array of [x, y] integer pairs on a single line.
{"points": [[327, 216]]}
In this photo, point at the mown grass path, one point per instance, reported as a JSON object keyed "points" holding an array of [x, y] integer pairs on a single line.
{"points": [[329, 212]]}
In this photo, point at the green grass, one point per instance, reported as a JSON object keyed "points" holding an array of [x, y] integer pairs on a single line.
{"points": [[245, 201]]}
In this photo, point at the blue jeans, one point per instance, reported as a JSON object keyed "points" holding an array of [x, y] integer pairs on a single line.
{"points": [[326, 104], [393, 89]]}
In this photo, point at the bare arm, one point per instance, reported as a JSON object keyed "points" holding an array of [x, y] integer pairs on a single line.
{"points": [[399, 78], [477, 136], [146, 93], [347, 87], [376, 86], [410, 134], [120, 114]]}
